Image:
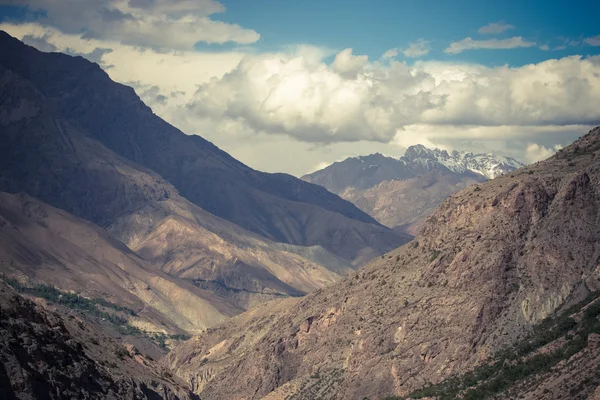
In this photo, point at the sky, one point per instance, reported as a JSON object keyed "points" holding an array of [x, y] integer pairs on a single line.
{"points": [[292, 86]]}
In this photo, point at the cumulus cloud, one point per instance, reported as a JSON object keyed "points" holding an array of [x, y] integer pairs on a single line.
{"points": [[471, 44], [417, 49], [172, 24], [306, 99], [495, 27], [593, 41], [536, 152], [347, 64], [391, 53]]}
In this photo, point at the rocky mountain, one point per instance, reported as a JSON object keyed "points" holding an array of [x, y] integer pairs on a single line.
{"points": [[53, 159], [402, 193], [367, 171], [492, 263], [46, 356], [52, 95]]}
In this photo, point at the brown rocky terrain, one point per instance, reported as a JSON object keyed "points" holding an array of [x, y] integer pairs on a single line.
{"points": [[242, 267], [491, 263], [406, 204], [51, 95], [47, 245], [48, 356]]}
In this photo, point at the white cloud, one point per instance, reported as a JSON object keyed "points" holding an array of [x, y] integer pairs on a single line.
{"points": [[173, 72], [165, 24], [536, 152], [417, 49], [544, 47], [347, 64], [291, 111], [391, 53], [593, 41], [495, 27], [306, 99], [470, 44]]}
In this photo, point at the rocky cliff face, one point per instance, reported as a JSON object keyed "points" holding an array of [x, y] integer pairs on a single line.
{"points": [[47, 356], [492, 262], [50, 95]]}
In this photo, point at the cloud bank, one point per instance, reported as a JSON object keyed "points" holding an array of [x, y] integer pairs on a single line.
{"points": [[292, 110]]}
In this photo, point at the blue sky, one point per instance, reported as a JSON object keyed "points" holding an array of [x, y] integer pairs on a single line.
{"points": [[294, 85], [372, 27]]}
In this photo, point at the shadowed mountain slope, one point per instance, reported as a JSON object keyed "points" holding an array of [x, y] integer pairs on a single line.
{"points": [[277, 206], [53, 159]]}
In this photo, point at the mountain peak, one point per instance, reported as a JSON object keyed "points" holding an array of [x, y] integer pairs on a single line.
{"points": [[485, 164]]}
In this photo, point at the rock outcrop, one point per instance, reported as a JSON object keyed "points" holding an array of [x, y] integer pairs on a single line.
{"points": [[46, 356]]}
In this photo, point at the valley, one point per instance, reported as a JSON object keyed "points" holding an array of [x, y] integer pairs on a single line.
{"points": [[141, 261]]}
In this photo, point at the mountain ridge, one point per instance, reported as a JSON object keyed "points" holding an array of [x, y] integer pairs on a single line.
{"points": [[363, 172]]}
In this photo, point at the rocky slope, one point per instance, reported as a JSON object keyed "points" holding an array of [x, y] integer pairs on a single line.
{"points": [[242, 267], [47, 245], [402, 193], [492, 262], [406, 204], [78, 94], [44, 355]]}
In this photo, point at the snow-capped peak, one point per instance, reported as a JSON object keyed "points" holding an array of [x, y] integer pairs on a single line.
{"points": [[488, 165]]}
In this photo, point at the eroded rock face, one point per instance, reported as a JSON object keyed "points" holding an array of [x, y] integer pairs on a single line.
{"points": [[44, 356], [491, 262]]}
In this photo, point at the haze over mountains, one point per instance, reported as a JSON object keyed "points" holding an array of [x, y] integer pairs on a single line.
{"points": [[401, 193]]}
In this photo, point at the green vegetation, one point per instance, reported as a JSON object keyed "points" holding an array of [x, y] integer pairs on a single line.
{"points": [[434, 254], [90, 306], [76, 302], [521, 361]]}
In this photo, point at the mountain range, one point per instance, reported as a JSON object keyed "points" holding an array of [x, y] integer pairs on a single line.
{"points": [[140, 262], [226, 237], [401, 193]]}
